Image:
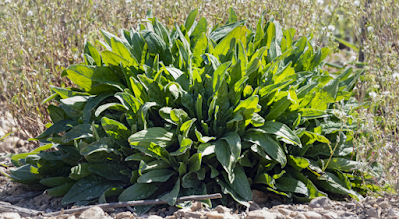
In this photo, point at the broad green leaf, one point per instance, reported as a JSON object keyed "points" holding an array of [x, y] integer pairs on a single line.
{"points": [[161, 175], [94, 79], [156, 135], [111, 106], [91, 104], [289, 184], [104, 144], [190, 19], [234, 142], [111, 171], [238, 33], [88, 188], [115, 129], [56, 181], [282, 131], [342, 164], [129, 101], [80, 171], [226, 189], [241, 184], [138, 191], [172, 195], [271, 147], [232, 16], [221, 32], [79, 131], [225, 157]]}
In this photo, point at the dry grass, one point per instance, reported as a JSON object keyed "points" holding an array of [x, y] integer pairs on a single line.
{"points": [[40, 38]]}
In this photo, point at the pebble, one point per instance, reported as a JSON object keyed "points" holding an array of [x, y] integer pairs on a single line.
{"points": [[196, 206], [222, 209], [321, 202], [214, 215], [9, 215], [312, 215], [383, 205], [124, 215], [92, 213], [262, 214]]}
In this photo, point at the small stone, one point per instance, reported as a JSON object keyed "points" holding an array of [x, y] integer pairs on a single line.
{"points": [[370, 200], [261, 214], [124, 215], [374, 212], [392, 212], [181, 212], [350, 205], [92, 213], [193, 214], [10, 215], [384, 204], [330, 215], [312, 215], [259, 196], [43, 207], [284, 211], [253, 206], [71, 217], [300, 216], [196, 206], [221, 209], [154, 217], [367, 206], [214, 215], [321, 202]]}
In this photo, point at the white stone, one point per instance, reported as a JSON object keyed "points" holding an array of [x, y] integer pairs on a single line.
{"points": [[321, 202], [92, 213], [222, 209], [154, 217], [330, 215], [374, 212], [384, 204], [261, 214], [312, 215], [124, 215], [196, 206], [214, 215], [284, 211], [10, 215]]}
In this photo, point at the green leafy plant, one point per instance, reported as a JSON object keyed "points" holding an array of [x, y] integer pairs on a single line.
{"points": [[162, 113]]}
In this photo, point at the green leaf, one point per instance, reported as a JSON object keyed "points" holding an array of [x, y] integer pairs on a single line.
{"points": [[282, 131], [137, 191], [226, 189], [129, 101], [342, 164], [91, 104], [190, 19], [60, 190], [172, 195], [289, 184], [95, 80], [221, 32], [80, 171], [56, 181], [88, 188], [241, 184], [56, 113], [234, 141], [111, 171], [112, 106], [223, 154], [79, 131], [115, 129], [161, 175], [104, 144], [156, 135], [271, 147], [116, 191], [232, 16]]}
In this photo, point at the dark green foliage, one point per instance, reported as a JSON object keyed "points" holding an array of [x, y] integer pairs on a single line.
{"points": [[164, 113]]}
